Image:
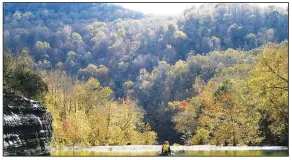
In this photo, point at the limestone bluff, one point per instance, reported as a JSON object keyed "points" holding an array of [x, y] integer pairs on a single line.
{"points": [[27, 127]]}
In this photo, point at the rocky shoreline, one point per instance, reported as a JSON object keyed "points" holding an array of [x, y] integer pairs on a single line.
{"points": [[27, 127], [151, 148]]}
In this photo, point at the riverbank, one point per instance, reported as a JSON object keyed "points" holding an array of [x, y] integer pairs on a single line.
{"points": [[152, 148]]}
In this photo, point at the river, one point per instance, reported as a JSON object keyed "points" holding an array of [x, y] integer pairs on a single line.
{"points": [[195, 151]]}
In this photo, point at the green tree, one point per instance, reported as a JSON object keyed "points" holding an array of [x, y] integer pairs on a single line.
{"points": [[20, 79]]}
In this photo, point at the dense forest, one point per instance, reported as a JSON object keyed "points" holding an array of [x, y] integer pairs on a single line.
{"points": [[216, 74]]}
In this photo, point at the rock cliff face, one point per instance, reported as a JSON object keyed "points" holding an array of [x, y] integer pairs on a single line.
{"points": [[27, 127]]}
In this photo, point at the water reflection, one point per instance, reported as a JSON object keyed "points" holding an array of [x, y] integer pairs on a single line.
{"points": [[177, 153]]}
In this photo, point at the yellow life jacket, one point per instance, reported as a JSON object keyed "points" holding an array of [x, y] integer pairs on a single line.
{"points": [[165, 147]]}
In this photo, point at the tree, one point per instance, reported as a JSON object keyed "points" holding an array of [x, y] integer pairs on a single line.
{"points": [[76, 38], [251, 41], [184, 118], [41, 48], [17, 16], [88, 104], [154, 60], [269, 84], [270, 34], [19, 79]]}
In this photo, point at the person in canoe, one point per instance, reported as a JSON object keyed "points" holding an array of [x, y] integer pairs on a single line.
{"points": [[165, 150]]}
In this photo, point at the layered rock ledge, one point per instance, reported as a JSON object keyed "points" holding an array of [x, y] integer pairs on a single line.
{"points": [[27, 127]]}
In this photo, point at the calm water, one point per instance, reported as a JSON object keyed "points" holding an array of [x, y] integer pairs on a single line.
{"points": [[177, 153]]}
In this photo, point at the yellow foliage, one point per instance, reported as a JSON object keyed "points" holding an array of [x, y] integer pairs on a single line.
{"points": [[84, 115]]}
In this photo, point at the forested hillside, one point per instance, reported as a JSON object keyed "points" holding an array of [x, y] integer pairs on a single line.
{"points": [[216, 74]]}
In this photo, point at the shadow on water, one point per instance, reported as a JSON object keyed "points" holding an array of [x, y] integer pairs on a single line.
{"points": [[245, 153]]}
